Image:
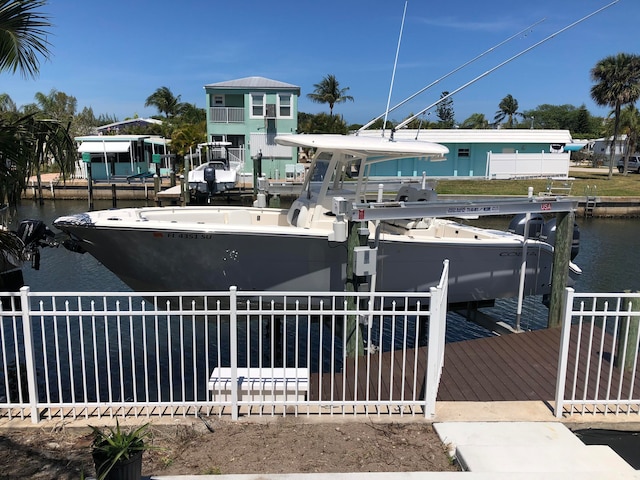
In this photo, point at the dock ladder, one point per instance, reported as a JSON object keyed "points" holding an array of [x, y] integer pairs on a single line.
{"points": [[591, 200]]}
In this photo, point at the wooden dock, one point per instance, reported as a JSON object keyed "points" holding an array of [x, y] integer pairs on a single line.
{"points": [[519, 367]]}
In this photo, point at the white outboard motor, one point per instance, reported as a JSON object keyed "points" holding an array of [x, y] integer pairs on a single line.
{"points": [[549, 235], [536, 223]]}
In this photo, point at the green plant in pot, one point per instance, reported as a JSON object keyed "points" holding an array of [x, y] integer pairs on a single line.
{"points": [[117, 452]]}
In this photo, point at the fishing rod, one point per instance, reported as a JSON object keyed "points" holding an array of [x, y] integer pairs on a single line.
{"points": [[435, 82], [410, 119]]}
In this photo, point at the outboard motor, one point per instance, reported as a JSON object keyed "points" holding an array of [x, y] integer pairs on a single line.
{"points": [[210, 178], [35, 234], [549, 235], [518, 222]]}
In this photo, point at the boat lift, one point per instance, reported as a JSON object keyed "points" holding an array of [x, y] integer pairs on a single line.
{"points": [[564, 207]]}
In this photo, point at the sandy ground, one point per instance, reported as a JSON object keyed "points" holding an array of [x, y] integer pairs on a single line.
{"points": [[214, 446]]}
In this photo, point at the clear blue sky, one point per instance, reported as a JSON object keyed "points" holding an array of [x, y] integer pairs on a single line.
{"points": [[112, 55]]}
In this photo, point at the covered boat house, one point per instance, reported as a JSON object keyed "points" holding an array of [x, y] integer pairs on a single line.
{"points": [[114, 157]]}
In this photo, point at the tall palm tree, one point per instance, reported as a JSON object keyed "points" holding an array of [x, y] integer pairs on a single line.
{"points": [[165, 101], [508, 108], [329, 91], [23, 36], [617, 80]]}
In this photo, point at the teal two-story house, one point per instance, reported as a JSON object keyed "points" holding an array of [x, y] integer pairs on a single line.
{"points": [[249, 113]]}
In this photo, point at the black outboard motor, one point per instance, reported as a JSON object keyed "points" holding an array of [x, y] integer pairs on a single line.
{"points": [[549, 235], [535, 225], [35, 234], [210, 178]]}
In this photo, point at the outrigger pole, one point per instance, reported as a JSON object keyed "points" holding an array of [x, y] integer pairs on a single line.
{"points": [[455, 70], [395, 64], [410, 119]]}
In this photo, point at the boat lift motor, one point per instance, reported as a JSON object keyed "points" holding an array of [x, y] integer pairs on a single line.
{"points": [[339, 208]]}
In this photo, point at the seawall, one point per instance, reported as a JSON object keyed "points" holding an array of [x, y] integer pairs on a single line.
{"points": [[604, 207]]}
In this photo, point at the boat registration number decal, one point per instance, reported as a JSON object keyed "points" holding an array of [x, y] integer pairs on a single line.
{"points": [[184, 236]]}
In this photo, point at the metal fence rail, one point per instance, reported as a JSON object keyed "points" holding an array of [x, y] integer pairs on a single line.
{"points": [[69, 355], [598, 363]]}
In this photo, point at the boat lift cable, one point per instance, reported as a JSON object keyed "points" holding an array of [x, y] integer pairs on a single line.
{"points": [[395, 65], [435, 82], [410, 119]]}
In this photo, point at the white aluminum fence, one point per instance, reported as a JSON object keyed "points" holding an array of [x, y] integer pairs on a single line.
{"points": [[598, 363], [69, 355], [516, 165]]}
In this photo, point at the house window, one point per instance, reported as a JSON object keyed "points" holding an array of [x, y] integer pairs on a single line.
{"points": [[284, 105], [218, 101], [257, 105], [463, 152]]}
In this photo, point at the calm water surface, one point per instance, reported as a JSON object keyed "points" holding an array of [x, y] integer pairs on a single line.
{"points": [[609, 257]]}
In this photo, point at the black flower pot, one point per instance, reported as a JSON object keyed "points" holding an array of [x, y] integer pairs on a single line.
{"points": [[128, 469]]}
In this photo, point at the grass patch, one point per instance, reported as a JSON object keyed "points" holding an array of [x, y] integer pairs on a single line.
{"points": [[596, 182]]}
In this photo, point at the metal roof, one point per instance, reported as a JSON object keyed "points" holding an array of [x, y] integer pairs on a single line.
{"points": [[253, 82]]}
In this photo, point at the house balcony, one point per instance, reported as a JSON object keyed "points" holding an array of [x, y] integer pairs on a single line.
{"points": [[226, 114]]}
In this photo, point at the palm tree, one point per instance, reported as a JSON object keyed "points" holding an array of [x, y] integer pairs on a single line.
{"points": [[23, 36], [630, 125], [475, 121], [7, 104], [508, 109], [617, 80], [57, 105], [165, 101], [329, 91]]}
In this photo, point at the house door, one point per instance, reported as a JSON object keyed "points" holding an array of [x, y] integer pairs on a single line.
{"points": [[463, 161]]}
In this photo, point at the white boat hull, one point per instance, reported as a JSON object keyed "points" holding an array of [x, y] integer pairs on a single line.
{"points": [[165, 256]]}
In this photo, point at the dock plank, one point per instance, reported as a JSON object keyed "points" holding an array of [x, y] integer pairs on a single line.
{"points": [[516, 367]]}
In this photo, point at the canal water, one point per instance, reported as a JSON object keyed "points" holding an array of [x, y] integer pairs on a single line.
{"points": [[609, 257]]}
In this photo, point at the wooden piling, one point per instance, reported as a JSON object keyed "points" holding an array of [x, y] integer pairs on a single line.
{"points": [[114, 201], [561, 260]]}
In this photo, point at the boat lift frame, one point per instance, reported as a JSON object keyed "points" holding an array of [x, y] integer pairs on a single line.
{"points": [[561, 206], [361, 212]]}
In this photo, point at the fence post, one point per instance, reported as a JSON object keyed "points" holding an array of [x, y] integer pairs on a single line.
{"points": [[431, 387], [233, 349], [628, 336], [563, 353], [436, 342], [29, 353]]}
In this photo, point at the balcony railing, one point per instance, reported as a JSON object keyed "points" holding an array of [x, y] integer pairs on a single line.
{"points": [[226, 114]]}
